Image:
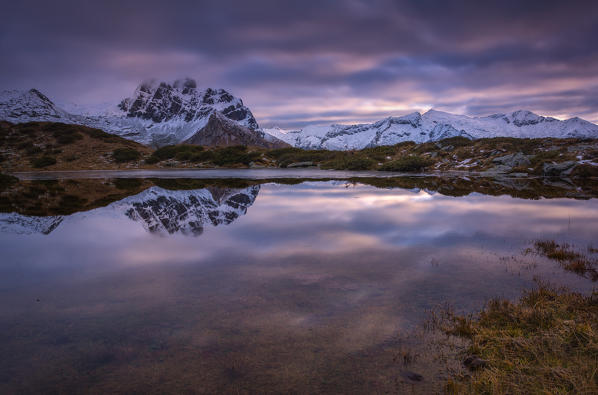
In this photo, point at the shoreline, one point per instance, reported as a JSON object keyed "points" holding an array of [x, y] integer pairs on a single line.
{"points": [[258, 174]]}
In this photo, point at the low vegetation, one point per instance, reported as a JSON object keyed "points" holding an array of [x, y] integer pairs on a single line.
{"points": [[545, 343], [43, 161], [7, 181], [29, 146], [58, 146], [409, 163], [219, 156], [121, 155]]}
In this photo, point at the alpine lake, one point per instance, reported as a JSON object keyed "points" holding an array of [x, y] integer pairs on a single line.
{"points": [[238, 281]]}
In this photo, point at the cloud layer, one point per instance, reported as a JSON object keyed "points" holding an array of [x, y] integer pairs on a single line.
{"points": [[297, 62]]}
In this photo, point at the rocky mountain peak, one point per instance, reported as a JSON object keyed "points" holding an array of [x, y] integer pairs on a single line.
{"points": [[220, 130], [159, 102]]}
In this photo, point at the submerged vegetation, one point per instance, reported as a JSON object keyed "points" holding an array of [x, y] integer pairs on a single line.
{"points": [[568, 258], [547, 342]]}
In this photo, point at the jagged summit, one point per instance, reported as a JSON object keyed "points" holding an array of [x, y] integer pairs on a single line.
{"points": [[163, 102]]}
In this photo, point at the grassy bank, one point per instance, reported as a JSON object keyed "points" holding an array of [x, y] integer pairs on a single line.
{"points": [[545, 343]]}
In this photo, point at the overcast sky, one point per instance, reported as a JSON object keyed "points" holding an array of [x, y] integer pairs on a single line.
{"points": [[300, 62]]}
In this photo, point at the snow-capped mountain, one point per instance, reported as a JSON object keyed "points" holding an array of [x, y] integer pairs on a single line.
{"points": [[32, 105], [222, 131], [158, 210], [157, 113], [431, 126], [26, 225]]}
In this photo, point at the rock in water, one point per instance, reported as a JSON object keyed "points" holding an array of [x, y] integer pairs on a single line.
{"points": [[473, 362]]}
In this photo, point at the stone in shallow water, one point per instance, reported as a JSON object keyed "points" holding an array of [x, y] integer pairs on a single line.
{"points": [[473, 362], [412, 375], [558, 169]]}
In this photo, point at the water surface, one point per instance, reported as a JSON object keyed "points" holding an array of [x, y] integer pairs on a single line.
{"points": [[176, 286]]}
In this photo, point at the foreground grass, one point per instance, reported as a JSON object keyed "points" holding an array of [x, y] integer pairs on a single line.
{"points": [[546, 343]]}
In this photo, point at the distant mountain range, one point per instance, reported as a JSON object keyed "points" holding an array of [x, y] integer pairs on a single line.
{"points": [[159, 113], [158, 210], [432, 126]]}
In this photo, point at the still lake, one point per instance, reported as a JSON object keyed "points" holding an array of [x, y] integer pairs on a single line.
{"points": [[236, 286]]}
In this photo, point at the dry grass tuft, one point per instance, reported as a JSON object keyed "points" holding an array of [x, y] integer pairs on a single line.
{"points": [[547, 342]]}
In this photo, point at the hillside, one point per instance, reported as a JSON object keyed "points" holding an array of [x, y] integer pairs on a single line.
{"points": [[58, 146]]}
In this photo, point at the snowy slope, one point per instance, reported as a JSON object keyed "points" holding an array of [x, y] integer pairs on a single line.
{"points": [[31, 105], [156, 114], [160, 211], [431, 126]]}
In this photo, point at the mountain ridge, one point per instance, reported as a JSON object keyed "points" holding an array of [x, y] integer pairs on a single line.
{"points": [[157, 114], [434, 125], [160, 113]]}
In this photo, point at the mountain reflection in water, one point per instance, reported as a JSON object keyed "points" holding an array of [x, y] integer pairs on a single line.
{"points": [[159, 210], [311, 287]]}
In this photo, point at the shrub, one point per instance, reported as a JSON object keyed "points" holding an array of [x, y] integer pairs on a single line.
{"points": [[128, 183], [585, 171], [33, 150], [380, 153], [457, 141], [298, 155], [151, 160], [181, 152], [204, 156], [101, 135], [121, 155], [25, 145], [234, 155], [544, 156], [350, 163], [66, 134], [43, 161], [408, 163], [28, 130], [6, 181], [277, 153]]}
